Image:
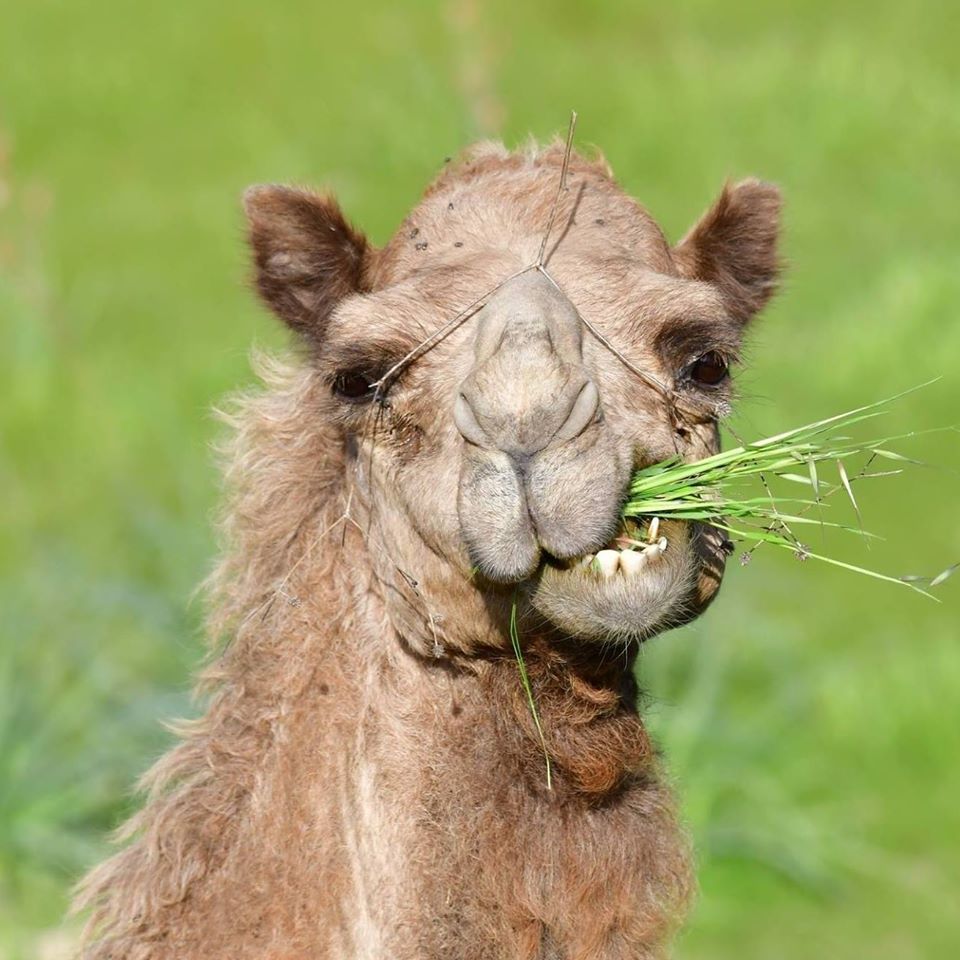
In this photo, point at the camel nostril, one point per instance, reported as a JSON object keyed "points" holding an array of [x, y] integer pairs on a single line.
{"points": [[581, 414], [466, 421]]}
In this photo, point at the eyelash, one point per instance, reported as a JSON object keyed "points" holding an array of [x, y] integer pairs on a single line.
{"points": [[714, 363], [354, 385]]}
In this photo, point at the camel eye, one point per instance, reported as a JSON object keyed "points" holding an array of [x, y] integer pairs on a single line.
{"points": [[353, 385], [709, 370]]}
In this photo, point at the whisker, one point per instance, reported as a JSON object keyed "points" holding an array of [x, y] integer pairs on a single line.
{"points": [[647, 378], [383, 384], [560, 188]]}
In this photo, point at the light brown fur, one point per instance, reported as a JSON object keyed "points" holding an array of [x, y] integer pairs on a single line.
{"points": [[367, 780]]}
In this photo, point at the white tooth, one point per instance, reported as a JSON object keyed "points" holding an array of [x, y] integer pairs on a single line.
{"points": [[607, 562], [655, 549], [654, 529], [584, 562], [632, 562]]}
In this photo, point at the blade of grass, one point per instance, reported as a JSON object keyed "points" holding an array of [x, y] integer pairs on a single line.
{"points": [[946, 574], [527, 689], [814, 478], [845, 480], [781, 541]]}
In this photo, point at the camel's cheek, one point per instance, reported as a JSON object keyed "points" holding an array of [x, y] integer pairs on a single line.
{"points": [[710, 548], [418, 528]]}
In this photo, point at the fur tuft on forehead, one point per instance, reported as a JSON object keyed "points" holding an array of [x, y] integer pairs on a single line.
{"points": [[491, 157], [493, 199]]}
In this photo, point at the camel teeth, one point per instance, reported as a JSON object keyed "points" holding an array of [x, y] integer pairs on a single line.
{"points": [[584, 562], [655, 549], [632, 562], [608, 562], [654, 529]]}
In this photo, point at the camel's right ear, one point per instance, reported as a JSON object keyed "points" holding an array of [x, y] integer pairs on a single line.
{"points": [[307, 256]]}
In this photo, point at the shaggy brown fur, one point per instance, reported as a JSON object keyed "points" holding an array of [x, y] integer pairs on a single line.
{"points": [[367, 780]]}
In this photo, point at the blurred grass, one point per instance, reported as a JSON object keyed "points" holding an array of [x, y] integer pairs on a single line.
{"points": [[810, 719]]}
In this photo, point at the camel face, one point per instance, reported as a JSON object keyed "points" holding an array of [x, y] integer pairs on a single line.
{"points": [[490, 454], [544, 466]]}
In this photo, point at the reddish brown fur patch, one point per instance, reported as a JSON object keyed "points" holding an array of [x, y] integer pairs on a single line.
{"points": [[595, 738]]}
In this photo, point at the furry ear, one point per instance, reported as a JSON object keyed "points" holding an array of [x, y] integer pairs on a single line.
{"points": [[734, 246], [307, 256]]}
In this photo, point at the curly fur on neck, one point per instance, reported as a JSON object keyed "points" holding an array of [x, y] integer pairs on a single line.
{"points": [[343, 797]]}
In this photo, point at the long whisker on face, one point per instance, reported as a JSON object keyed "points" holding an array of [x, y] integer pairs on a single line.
{"points": [[368, 439], [374, 532], [647, 378], [381, 386], [668, 395], [560, 188]]}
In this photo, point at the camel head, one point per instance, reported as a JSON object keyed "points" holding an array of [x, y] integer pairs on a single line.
{"points": [[489, 392]]}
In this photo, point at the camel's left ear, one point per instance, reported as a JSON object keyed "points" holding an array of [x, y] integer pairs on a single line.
{"points": [[734, 246], [307, 257]]}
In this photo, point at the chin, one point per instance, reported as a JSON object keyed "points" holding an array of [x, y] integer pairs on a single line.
{"points": [[647, 592]]}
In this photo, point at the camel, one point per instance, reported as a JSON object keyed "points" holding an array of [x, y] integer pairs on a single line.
{"points": [[446, 445]]}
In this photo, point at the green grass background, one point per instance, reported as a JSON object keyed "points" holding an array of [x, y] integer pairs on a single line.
{"points": [[811, 720]]}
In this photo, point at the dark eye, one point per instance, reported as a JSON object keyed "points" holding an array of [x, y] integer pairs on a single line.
{"points": [[709, 370], [353, 385]]}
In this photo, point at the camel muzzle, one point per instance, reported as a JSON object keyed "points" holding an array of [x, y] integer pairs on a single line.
{"points": [[528, 387], [540, 470]]}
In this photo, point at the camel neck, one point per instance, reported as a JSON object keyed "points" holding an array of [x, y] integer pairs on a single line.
{"points": [[328, 640], [473, 716]]}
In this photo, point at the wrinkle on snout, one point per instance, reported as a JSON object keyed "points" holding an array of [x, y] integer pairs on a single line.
{"points": [[521, 426], [584, 411]]}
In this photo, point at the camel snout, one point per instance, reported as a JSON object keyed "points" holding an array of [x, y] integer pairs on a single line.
{"points": [[539, 470], [559, 417], [528, 387]]}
